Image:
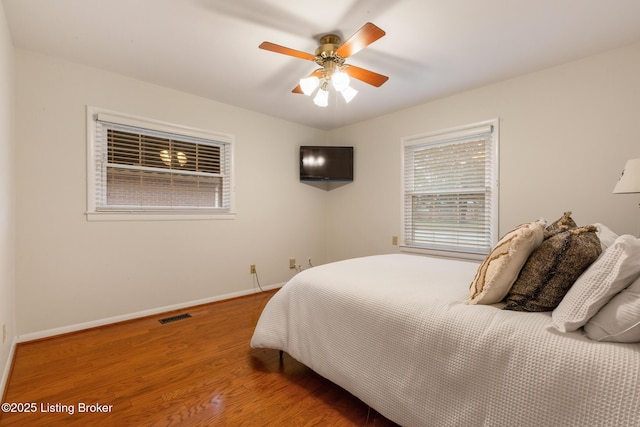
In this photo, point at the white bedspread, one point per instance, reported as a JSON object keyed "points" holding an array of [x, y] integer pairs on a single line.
{"points": [[394, 331]]}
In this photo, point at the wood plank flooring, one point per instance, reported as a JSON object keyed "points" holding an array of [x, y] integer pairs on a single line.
{"points": [[198, 371]]}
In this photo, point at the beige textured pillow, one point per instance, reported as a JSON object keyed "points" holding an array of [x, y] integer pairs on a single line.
{"points": [[552, 269], [501, 267]]}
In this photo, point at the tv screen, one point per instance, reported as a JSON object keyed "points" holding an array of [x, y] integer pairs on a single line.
{"points": [[326, 163]]}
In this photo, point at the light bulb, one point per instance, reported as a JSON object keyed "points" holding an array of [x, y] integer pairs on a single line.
{"points": [[309, 84], [322, 98], [340, 80], [348, 93]]}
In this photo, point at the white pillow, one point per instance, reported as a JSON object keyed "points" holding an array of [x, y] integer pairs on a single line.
{"points": [[616, 268], [501, 267], [619, 319], [606, 235]]}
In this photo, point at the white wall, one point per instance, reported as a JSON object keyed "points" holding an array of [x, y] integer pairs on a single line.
{"points": [[71, 271], [7, 200], [565, 135]]}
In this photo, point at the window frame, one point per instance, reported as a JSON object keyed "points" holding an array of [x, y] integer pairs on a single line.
{"points": [[94, 213], [440, 138]]}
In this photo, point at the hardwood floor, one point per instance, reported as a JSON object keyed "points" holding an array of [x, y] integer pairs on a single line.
{"points": [[199, 371]]}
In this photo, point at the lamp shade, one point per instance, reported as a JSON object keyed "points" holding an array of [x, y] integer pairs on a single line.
{"points": [[322, 98], [309, 84], [348, 93], [340, 80], [629, 181]]}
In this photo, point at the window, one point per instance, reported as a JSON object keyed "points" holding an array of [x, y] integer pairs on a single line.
{"points": [[144, 169], [450, 198]]}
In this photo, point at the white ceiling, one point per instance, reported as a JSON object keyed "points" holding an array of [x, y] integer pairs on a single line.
{"points": [[210, 47]]}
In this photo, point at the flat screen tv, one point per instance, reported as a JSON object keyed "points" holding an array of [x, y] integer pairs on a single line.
{"points": [[326, 163]]}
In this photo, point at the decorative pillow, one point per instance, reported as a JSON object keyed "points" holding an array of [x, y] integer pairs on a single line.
{"points": [[563, 224], [552, 269], [606, 235], [619, 319], [500, 268], [612, 272]]}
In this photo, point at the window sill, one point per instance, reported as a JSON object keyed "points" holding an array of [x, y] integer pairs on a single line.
{"points": [[443, 254], [157, 216]]}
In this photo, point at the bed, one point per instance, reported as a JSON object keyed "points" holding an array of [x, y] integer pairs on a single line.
{"points": [[397, 332]]}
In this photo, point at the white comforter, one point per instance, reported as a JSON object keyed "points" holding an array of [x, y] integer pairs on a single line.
{"points": [[394, 330]]}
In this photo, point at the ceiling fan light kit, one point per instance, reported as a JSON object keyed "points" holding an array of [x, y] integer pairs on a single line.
{"points": [[340, 80], [309, 84], [322, 97], [348, 94], [331, 55]]}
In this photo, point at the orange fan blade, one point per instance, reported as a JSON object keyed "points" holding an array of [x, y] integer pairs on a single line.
{"points": [[366, 76], [318, 73], [366, 35], [286, 51]]}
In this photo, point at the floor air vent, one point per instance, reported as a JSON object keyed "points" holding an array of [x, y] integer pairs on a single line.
{"points": [[174, 318]]}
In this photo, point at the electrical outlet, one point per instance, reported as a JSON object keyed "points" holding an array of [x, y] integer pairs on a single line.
{"points": [[292, 263], [252, 269], [394, 240]]}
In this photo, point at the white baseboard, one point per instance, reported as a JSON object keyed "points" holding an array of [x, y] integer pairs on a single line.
{"points": [[7, 369], [101, 322]]}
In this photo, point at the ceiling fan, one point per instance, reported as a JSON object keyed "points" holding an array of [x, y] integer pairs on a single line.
{"points": [[330, 56]]}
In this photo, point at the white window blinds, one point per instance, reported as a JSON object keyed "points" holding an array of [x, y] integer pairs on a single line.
{"points": [[157, 167], [450, 198]]}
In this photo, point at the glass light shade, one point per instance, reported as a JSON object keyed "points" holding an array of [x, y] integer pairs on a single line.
{"points": [[322, 98], [348, 93], [340, 81], [629, 182], [309, 84]]}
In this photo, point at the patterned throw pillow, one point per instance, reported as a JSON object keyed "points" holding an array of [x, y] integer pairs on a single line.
{"points": [[553, 268], [563, 224], [500, 268]]}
